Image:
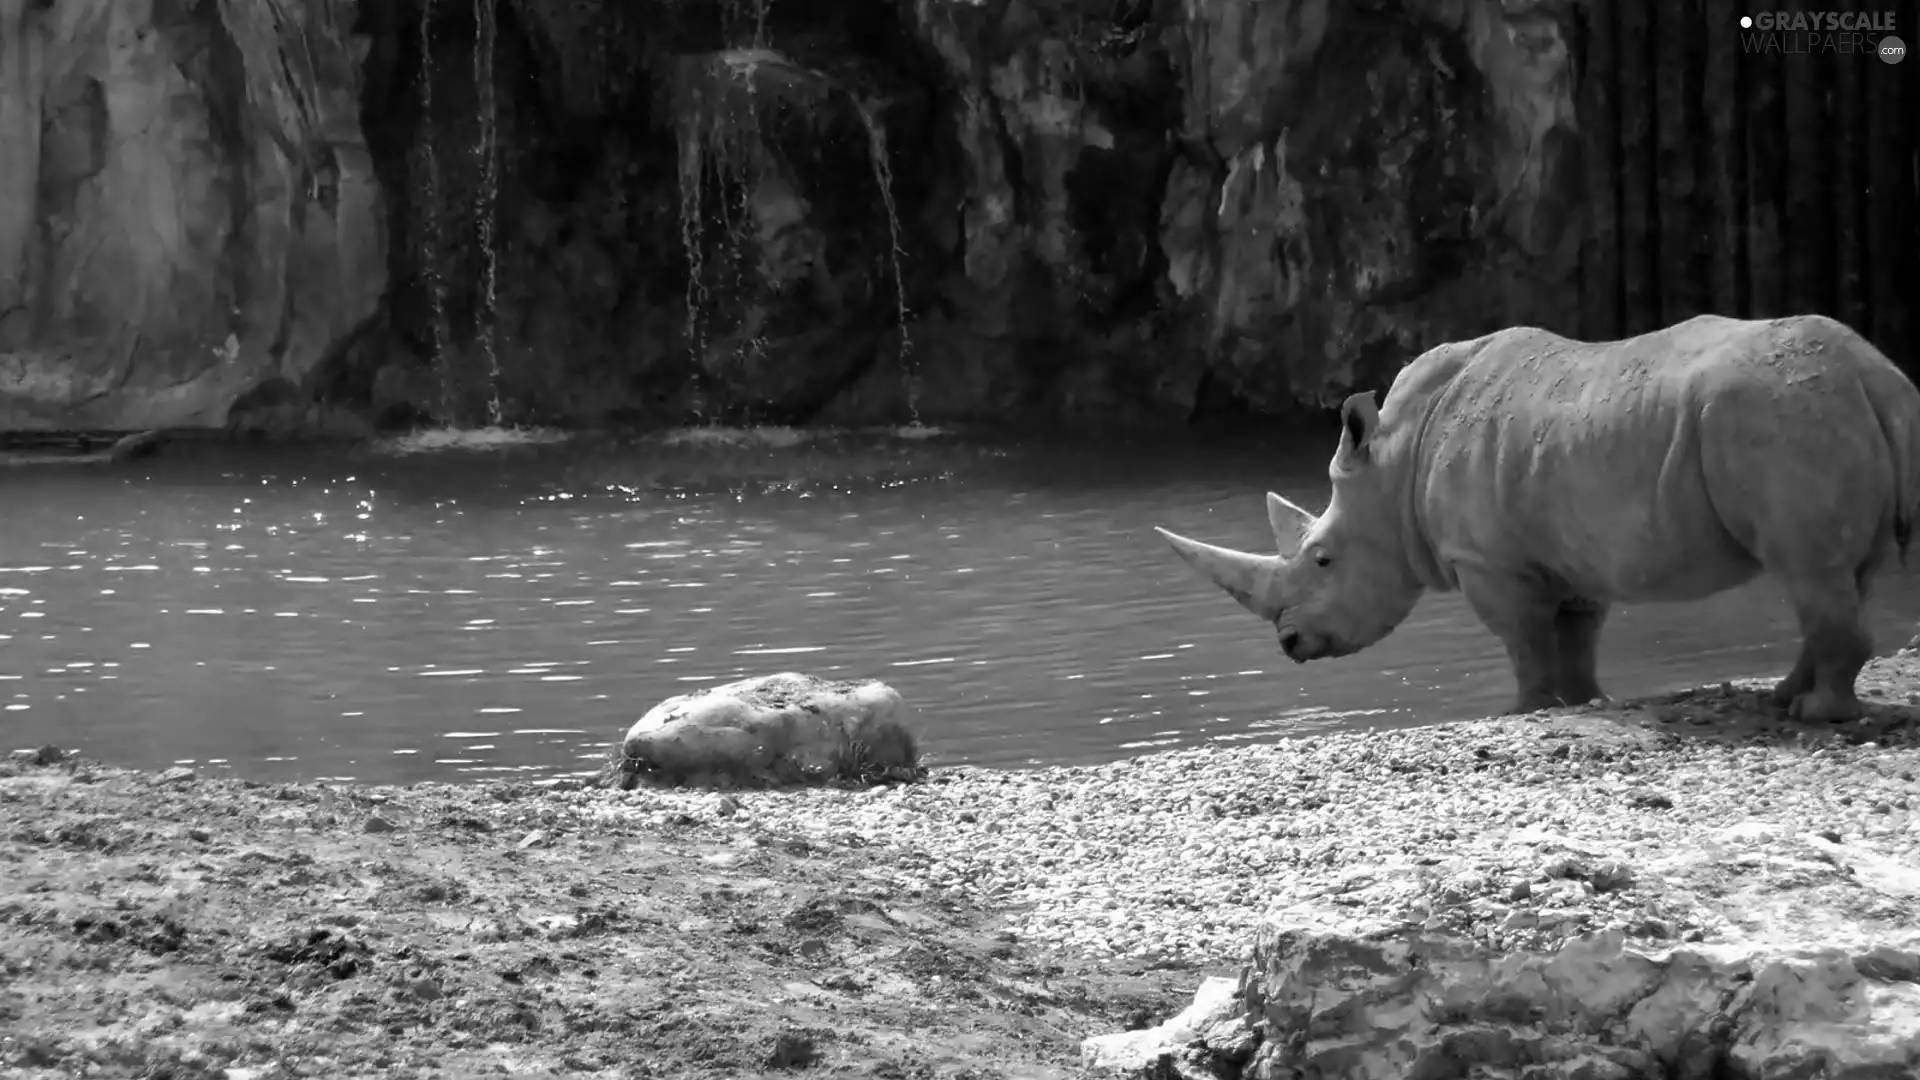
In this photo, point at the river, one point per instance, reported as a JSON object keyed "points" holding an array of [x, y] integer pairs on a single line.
{"points": [[408, 611]]}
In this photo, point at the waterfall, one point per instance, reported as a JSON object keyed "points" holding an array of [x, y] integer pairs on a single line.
{"points": [[883, 176], [692, 173], [430, 219], [718, 102], [485, 312]]}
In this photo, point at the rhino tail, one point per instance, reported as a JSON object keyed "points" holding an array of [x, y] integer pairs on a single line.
{"points": [[1905, 498], [1899, 417], [1903, 529], [1906, 474]]}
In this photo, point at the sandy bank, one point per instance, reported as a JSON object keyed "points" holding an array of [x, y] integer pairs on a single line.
{"points": [[978, 924]]}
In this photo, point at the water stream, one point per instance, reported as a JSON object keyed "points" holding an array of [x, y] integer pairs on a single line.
{"points": [[486, 151], [417, 610], [883, 176], [428, 216]]}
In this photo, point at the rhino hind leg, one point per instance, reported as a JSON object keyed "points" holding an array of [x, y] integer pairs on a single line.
{"points": [[1835, 646], [1576, 632]]}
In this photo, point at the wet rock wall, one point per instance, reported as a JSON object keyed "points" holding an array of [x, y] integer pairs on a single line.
{"points": [[301, 215]]}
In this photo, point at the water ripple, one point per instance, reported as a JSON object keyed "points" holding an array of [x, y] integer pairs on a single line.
{"points": [[385, 613]]}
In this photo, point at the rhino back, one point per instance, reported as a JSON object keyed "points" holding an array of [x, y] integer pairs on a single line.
{"points": [[1657, 467]]}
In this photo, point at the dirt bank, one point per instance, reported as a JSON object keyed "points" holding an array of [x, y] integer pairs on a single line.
{"points": [[978, 924], [164, 925]]}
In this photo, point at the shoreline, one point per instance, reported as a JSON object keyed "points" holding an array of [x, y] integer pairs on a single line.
{"points": [[984, 920]]}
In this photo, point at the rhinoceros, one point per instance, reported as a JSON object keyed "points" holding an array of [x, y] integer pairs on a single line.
{"points": [[1547, 479]]}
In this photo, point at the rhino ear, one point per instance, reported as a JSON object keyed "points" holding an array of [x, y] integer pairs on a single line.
{"points": [[1359, 418], [1290, 523]]}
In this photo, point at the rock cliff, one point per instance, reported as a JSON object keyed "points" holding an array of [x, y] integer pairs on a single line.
{"points": [[187, 205], [250, 211]]}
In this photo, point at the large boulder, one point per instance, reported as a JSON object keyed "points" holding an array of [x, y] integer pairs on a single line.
{"points": [[771, 729], [187, 206]]}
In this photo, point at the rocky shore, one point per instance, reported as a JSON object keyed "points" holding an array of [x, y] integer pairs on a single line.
{"points": [[986, 924]]}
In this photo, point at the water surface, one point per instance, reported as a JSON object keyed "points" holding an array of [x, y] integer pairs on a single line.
{"points": [[393, 613]]}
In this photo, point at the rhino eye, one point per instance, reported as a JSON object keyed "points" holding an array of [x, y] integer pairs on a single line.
{"points": [[1322, 559]]}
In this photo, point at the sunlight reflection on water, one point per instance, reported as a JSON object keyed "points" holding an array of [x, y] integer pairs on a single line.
{"points": [[510, 603]]}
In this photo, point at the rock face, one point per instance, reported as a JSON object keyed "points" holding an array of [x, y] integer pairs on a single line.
{"points": [[780, 728], [187, 206], [950, 210], [873, 211], [1331, 994], [1271, 202]]}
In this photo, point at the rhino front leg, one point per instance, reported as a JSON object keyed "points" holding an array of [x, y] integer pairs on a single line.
{"points": [[1798, 681], [1576, 631], [1522, 615]]}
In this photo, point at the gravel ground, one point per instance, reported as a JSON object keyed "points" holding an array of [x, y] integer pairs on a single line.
{"points": [[1178, 856]]}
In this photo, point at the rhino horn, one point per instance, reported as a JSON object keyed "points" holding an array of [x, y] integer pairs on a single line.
{"points": [[1247, 578], [1290, 523]]}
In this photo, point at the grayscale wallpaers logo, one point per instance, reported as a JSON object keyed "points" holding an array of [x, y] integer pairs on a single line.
{"points": [[1843, 33]]}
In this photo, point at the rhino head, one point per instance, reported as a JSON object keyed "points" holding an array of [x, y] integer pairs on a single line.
{"points": [[1340, 581]]}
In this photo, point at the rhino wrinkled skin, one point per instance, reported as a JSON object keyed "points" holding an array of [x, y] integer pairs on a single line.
{"points": [[1547, 479]]}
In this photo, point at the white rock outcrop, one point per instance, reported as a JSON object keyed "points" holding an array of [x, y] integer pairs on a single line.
{"points": [[1216, 1024]]}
